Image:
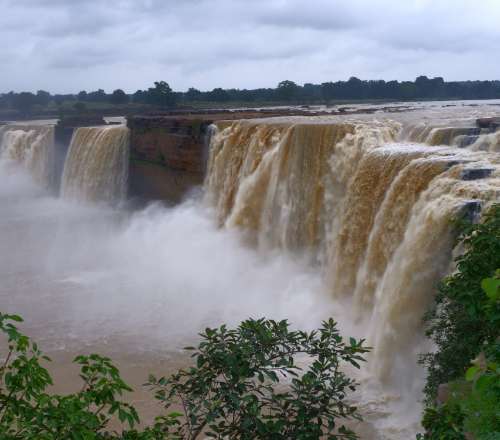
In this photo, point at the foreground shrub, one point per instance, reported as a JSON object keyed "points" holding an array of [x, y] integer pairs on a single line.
{"points": [[27, 411], [247, 384], [233, 391]]}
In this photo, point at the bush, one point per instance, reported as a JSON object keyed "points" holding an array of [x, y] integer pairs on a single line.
{"points": [[246, 385], [481, 402], [443, 423], [232, 391], [465, 326], [464, 319], [473, 405], [27, 411]]}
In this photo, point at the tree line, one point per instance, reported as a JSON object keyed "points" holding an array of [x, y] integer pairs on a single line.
{"points": [[162, 95]]}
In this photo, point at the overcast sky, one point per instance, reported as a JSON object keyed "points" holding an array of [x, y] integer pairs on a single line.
{"points": [[72, 45]]}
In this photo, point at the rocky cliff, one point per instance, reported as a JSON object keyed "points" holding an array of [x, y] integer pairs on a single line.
{"points": [[168, 153], [166, 156]]}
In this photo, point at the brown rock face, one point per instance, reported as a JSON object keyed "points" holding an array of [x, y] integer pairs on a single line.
{"points": [[166, 156], [489, 123], [174, 143]]}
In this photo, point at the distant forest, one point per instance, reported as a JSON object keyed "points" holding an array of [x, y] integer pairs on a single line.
{"points": [[161, 95]]}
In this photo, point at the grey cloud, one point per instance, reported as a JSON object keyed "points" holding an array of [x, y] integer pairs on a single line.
{"points": [[321, 15], [82, 58], [66, 45]]}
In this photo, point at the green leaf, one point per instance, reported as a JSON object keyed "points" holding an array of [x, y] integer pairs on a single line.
{"points": [[483, 383], [492, 288], [471, 373], [16, 318]]}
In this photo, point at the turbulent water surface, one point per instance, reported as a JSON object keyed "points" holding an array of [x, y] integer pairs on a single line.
{"points": [[300, 218]]}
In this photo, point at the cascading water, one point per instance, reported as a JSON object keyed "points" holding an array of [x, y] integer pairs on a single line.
{"points": [[468, 136], [367, 203], [376, 214], [31, 146], [488, 142], [344, 191], [96, 167]]}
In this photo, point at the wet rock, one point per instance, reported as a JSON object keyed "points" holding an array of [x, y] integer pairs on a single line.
{"points": [[471, 211], [465, 140], [443, 393], [470, 131], [448, 135], [476, 173], [452, 163], [166, 156], [489, 123]]}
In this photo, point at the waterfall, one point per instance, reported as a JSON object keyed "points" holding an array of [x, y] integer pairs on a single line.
{"points": [[374, 213], [487, 142], [32, 146], [96, 167], [470, 137]]}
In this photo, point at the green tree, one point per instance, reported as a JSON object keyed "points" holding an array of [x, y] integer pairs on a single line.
{"points": [[218, 95], [24, 102], [119, 97], [43, 98], [82, 96], [287, 90], [161, 95], [235, 390], [193, 94], [97, 96], [80, 107]]}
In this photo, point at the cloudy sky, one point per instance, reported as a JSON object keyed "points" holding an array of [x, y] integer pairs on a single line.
{"points": [[70, 45]]}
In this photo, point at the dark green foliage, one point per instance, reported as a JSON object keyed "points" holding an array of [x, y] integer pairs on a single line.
{"points": [[466, 328], [161, 95], [473, 405], [464, 319], [118, 97], [80, 107], [443, 423], [480, 400], [28, 411], [247, 384], [24, 101], [287, 91]]}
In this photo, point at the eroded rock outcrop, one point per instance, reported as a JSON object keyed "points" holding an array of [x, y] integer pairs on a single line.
{"points": [[166, 155]]}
